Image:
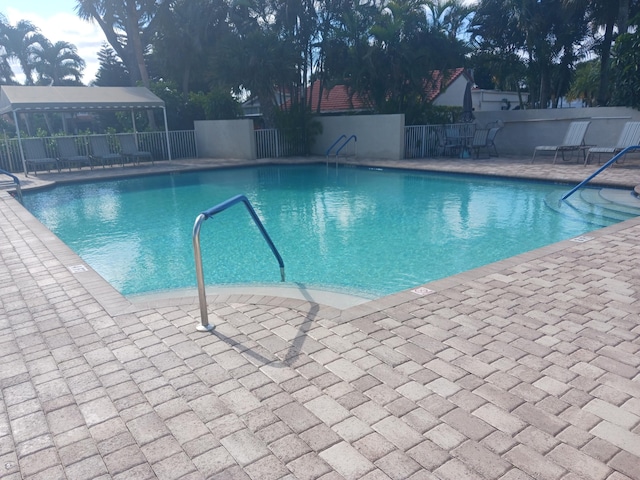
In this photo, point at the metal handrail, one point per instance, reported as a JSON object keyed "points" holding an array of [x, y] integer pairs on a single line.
{"points": [[352, 137], [16, 180], [597, 172], [334, 144], [204, 316]]}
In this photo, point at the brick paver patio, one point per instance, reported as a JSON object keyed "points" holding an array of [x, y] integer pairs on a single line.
{"points": [[523, 369]]}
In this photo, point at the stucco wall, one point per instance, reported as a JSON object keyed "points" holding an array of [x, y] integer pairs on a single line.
{"points": [[525, 129], [225, 139], [379, 136]]}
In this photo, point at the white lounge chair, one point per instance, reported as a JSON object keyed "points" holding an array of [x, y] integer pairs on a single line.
{"points": [[573, 140], [629, 136]]}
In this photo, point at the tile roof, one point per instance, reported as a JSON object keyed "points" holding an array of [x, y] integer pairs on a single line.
{"points": [[336, 99]]}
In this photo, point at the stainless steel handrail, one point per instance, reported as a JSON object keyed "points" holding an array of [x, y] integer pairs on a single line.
{"points": [[597, 172], [204, 316], [16, 181]]}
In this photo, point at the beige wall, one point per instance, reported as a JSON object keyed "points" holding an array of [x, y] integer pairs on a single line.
{"points": [[379, 136], [225, 139], [525, 129]]}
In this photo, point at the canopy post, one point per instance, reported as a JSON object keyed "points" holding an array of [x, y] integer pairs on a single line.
{"points": [[24, 162], [166, 131]]}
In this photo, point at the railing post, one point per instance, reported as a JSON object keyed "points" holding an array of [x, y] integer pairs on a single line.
{"points": [[202, 296]]}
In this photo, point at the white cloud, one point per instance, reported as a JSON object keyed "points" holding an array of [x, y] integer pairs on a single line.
{"points": [[87, 37]]}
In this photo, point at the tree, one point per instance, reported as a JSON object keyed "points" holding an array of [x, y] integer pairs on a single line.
{"points": [[626, 70], [450, 17], [547, 32], [57, 63], [18, 42], [187, 31], [388, 54], [128, 26], [112, 72]]}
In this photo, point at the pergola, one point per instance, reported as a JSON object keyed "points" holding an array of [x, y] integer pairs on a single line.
{"points": [[32, 99]]}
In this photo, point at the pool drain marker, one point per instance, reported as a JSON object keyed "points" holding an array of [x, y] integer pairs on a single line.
{"points": [[581, 239], [78, 269], [422, 291]]}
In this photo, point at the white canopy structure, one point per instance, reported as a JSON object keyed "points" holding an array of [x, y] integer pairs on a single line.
{"points": [[32, 99]]}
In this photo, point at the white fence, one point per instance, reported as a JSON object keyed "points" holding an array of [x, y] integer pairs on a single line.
{"points": [[182, 142], [272, 143]]}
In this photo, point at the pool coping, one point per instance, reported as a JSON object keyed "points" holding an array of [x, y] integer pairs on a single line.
{"points": [[116, 303]]}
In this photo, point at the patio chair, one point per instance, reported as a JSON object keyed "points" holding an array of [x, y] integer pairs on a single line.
{"points": [[68, 154], [129, 148], [101, 152], [629, 136], [485, 139], [573, 141], [35, 156]]}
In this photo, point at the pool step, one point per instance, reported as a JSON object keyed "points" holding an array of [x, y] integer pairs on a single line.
{"points": [[599, 206]]}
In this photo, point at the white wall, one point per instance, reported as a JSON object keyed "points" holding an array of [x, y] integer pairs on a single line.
{"points": [[379, 136], [525, 129], [225, 139]]}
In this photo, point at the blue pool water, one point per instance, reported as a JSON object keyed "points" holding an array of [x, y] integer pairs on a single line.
{"points": [[358, 230]]}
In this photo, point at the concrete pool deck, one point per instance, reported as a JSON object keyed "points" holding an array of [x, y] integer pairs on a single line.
{"points": [[525, 368]]}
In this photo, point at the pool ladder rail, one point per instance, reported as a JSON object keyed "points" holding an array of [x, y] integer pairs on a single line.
{"points": [[14, 181], [340, 146], [613, 160], [202, 296]]}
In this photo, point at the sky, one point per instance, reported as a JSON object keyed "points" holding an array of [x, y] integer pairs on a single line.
{"points": [[58, 21]]}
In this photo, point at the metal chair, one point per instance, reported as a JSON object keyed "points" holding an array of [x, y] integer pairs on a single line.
{"points": [[68, 154], [101, 152], [129, 149], [36, 156]]}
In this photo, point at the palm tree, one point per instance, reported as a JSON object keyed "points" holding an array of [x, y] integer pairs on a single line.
{"points": [[450, 17], [57, 63], [128, 26], [18, 42]]}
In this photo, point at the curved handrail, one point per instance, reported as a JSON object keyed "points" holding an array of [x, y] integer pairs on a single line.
{"points": [[597, 172], [352, 137], [334, 144], [16, 180], [204, 317]]}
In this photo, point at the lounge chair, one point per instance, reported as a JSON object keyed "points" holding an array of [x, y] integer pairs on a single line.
{"points": [[573, 140], [68, 154], [629, 136], [129, 148], [101, 152], [35, 156]]}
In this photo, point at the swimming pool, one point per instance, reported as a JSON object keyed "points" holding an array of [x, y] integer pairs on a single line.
{"points": [[361, 230]]}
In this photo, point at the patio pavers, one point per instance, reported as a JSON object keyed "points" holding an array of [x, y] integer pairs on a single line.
{"points": [[527, 368]]}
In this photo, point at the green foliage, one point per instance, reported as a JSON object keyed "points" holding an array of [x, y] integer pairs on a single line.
{"points": [[218, 104], [112, 72], [298, 125], [214, 105], [436, 115], [586, 83], [626, 71]]}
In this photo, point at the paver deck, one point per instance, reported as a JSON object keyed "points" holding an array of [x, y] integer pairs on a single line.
{"points": [[526, 368]]}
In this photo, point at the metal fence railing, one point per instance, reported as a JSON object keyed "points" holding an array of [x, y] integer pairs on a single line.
{"points": [[423, 141], [272, 143], [182, 142]]}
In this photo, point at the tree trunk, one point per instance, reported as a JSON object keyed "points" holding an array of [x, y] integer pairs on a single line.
{"points": [[605, 66], [623, 16]]}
